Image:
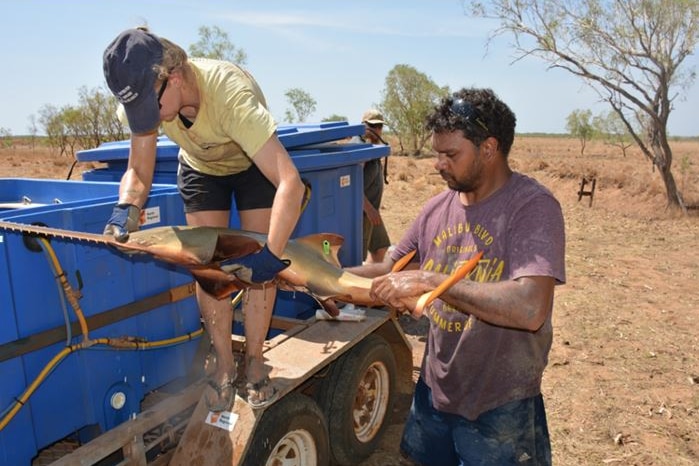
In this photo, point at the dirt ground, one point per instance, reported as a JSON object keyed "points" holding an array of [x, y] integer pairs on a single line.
{"points": [[622, 384]]}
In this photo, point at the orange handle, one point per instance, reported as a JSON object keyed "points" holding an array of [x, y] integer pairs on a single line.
{"points": [[403, 261], [460, 273]]}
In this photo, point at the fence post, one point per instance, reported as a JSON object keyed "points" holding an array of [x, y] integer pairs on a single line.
{"points": [[591, 192]]}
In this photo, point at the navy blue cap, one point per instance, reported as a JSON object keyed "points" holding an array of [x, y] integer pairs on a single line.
{"points": [[129, 62]]}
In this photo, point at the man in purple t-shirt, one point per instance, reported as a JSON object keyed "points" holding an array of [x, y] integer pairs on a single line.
{"points": [[478, 399]]}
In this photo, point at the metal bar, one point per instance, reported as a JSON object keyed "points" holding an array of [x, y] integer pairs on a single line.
{"points": [[34, 342]]}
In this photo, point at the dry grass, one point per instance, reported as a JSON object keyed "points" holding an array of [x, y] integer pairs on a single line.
{"points": [[622, 385]]}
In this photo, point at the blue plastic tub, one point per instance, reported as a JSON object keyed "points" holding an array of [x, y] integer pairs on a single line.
{"points": [[17, 442], [35, 195], [76, 396], [334, 170]]}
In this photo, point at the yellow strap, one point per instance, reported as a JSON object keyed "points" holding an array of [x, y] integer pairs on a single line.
{"points": [[306, 194]]}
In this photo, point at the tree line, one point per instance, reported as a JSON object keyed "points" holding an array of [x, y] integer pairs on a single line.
{"points": [[607, 126], [630, 52], [408, 97]]}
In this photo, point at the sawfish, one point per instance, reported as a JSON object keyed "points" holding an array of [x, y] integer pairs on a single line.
{"points": [[209, 254]]}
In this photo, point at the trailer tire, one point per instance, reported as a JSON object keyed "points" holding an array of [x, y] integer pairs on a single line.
{"points": [[292, 431], [357, 397]]}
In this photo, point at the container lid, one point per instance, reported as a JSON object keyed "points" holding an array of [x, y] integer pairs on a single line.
{"points": [[331, 155], [291, 136]]}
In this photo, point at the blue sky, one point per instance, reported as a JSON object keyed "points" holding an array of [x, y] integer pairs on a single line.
{"points": [[338, 51]]}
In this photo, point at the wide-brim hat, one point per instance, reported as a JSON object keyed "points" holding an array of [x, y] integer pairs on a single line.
{"points": [[373, 116]]}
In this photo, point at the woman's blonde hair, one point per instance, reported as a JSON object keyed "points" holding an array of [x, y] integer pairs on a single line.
{"points": [[174, 58]]}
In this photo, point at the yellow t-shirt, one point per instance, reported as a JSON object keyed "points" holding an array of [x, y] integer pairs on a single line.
{"points": [[231, 125]]}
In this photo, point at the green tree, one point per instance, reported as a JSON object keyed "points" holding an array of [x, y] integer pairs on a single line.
{"points": [[77, 129], [51, 120], [5, 137], [33, 130], [214, 43], [99, 122], [408, 98], [613, 131], [334, 117], [302, 105], [579, 125], [90, 123], [630, 52], [114, 129]]}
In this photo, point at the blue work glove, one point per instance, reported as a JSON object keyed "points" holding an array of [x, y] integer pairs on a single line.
{"points": [[259, 267], [125, 219]]}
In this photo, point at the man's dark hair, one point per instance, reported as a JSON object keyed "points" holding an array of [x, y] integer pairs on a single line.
{"points": [[478, 114]]}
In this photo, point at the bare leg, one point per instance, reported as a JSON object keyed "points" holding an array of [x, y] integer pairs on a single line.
{"points": [[217, 314], [218, 321], [257, 310]]}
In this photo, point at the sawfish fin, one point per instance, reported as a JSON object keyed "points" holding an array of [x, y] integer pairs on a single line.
{"points": [[328, 303], [217, 282], [325, 245], [330, 307], [234, 245]]}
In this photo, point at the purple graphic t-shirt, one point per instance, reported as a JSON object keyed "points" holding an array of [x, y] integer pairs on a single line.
{"points": [[470, 365]]}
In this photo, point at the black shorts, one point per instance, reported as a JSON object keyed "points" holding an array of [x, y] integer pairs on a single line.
{"points": [[200, 191]]}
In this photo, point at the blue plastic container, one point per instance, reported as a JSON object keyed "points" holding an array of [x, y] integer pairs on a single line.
{"points": [[17, 443], [35, 195], [334, 170], [77, 395]]}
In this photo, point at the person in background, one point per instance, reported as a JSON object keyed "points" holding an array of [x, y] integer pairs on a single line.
{"points": [[375, 238], [478, 398], [217, 114]]}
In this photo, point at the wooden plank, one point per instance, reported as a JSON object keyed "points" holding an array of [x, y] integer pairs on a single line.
{"points": [[306, 352], [206, 445], [124, 434], [135, 452]]}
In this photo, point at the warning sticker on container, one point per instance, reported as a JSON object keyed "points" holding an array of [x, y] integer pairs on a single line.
{"points": [[150, 215], [345, 181], [223, 420]]}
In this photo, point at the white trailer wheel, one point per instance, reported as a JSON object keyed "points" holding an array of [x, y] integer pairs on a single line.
{"points": [[291, 432], [357, 396], [296, 448], [371, 401]]}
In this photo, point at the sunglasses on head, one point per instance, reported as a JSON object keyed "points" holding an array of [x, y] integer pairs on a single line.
{"points": [[161, 92], [467, 112]]}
